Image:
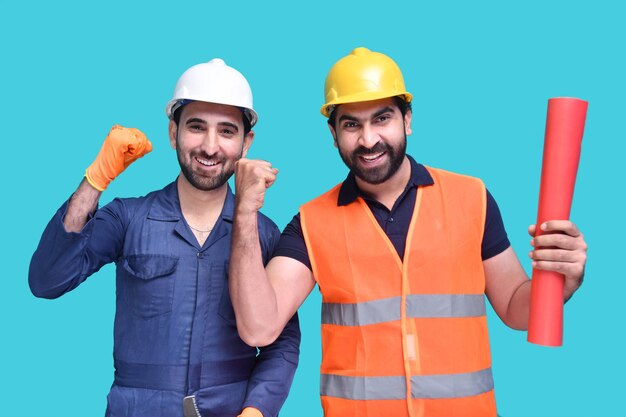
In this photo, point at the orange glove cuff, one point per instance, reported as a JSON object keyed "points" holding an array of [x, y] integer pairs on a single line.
{"points": [[121, 147], [250, 412], [94, 183]]}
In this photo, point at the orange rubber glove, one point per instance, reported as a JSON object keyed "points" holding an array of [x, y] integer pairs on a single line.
{"points": [[250, 412], [121, 148]]}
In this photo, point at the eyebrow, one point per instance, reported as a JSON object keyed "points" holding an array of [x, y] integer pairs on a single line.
{"points": [[195, 120], [382, 111], [346, 117], [375, 115], [198, 120]]}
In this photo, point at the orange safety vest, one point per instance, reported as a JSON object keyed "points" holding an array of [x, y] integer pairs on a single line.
{"points": [[403, 337]]}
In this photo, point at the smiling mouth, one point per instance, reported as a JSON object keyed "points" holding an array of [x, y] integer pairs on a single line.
{"points": [[206, 162], [372, 157]]}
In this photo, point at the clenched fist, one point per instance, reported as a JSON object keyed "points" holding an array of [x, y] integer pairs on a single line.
{"points": [[252, 178], [121, 148]]}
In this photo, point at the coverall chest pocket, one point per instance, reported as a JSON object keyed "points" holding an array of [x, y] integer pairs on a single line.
{"points": [[149, 284]]}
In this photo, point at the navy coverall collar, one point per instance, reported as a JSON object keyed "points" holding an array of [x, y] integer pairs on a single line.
{"points": [[166, 206], [350, 191]]}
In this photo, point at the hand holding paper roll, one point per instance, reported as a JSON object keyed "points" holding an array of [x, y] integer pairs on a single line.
{"points": [[560, 250]]}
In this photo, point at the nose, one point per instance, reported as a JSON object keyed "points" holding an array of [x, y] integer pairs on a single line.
{"points": [[210, 143], [368, 137]]}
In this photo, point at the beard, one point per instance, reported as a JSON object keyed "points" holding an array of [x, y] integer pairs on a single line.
{"points": [[376, 175], [201, 181]]}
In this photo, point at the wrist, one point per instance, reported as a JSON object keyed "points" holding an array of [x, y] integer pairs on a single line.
{"points": [[95, 180], [569, 290], [245, 209]]}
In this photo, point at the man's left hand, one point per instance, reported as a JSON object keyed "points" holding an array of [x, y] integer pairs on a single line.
{"points": [[250, 412], [560, 248]]}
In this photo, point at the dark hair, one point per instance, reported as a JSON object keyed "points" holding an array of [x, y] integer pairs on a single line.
{"points": [[246, 122], [403, 105]]}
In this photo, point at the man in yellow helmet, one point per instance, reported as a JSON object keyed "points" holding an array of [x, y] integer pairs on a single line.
{"points": [[403, 255]]}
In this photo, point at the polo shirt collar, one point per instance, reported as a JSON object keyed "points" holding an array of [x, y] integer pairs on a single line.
{"points": [[349, 190]]}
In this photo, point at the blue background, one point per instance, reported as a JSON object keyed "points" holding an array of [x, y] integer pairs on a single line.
{"points": [[481, 73]]}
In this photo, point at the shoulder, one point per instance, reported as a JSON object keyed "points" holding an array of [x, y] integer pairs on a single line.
{"points": [[269, 236], [444, 175], [129, 207], [266, 225], [458, 190], [449, 182], [328, 198]]}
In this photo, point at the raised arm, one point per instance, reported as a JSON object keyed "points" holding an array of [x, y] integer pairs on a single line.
{"points": [[66, 254], [263, 299]]}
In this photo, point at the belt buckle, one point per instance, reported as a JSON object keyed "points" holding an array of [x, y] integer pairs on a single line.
{"points": [[190, 408]]}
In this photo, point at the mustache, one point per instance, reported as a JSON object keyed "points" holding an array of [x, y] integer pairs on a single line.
{"points": [[204, 155], [379, 147]]}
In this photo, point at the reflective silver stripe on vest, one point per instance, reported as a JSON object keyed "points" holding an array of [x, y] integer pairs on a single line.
{"points": [[394, 387], [418, 306], [361, 314], [445, 306], [363, 388], [452, 385]]}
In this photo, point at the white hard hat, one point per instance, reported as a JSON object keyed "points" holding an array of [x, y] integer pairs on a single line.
{"points": [[213, 82]]}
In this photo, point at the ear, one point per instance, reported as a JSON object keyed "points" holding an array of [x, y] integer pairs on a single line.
{"points": [[334, 133], [247, 141], [172, 130], [407, 122]]}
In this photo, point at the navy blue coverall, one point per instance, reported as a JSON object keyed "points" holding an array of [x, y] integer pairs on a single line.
{"points": [[175, 332]]}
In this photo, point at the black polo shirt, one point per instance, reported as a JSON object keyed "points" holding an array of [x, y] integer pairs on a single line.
{"points": [[394, 222]]}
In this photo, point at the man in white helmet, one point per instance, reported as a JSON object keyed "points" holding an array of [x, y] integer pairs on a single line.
{"points": [[403, 255], [176, 347]]}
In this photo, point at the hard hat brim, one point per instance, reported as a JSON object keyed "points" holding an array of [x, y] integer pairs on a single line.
{"points": [[364, 96], [174, 104]]}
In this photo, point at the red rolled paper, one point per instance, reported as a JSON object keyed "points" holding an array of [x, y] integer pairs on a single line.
{"points": [[564, 132]]}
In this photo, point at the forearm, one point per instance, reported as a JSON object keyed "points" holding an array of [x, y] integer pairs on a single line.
{"points": [[273, 373], [83, 202], [252, 295], [518, 309], [562, 249]]}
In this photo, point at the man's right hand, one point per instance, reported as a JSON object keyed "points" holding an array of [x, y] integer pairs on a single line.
{"points": [[121, 148], [252, 178]]}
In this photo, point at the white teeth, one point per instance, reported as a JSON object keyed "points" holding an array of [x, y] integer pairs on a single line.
{"points": [[205, 162], [370, 158]]}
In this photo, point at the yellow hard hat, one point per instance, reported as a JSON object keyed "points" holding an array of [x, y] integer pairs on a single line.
{"points": [[363, 75]]}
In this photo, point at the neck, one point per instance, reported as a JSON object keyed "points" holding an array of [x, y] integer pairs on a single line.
{"points": [[200, 207], [388, 192]]}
